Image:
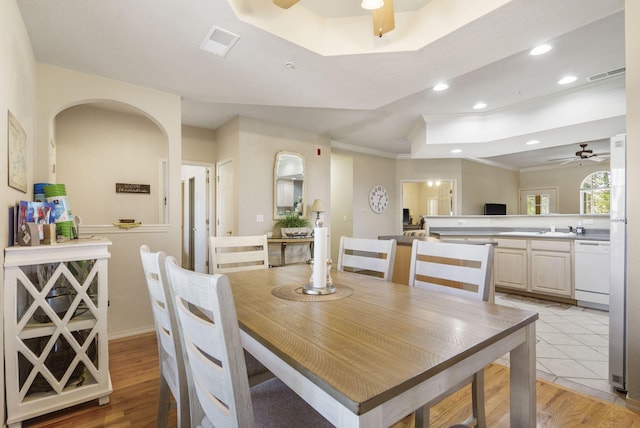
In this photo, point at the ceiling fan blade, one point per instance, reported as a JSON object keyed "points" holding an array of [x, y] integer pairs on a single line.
{"points": [[568, 161], [383, 19], [561, 159], [285, 4]]}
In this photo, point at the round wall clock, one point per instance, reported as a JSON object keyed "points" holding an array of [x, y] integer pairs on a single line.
{"points": [[378, 198]]}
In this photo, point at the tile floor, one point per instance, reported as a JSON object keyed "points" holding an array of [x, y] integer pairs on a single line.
{"points": [[572, 345]]}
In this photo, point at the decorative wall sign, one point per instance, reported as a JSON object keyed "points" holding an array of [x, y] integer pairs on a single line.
{"points": [[133, 188], [17, 154]]}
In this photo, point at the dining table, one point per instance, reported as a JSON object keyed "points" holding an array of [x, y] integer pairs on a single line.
{"points": [[375, 351]]}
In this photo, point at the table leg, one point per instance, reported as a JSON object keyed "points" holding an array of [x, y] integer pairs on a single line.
{"points": [[523, 381]]}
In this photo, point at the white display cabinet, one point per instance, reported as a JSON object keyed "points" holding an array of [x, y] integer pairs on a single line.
{"points": [[55, 327]]}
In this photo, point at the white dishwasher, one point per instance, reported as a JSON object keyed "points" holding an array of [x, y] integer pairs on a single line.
{"points": [[592, 273]]}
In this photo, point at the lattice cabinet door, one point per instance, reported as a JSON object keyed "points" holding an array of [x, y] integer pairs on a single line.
{"points": [[56, 345]]}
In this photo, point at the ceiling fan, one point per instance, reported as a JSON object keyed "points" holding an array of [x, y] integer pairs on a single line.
{"points": [[583, 154], [383, 16]]}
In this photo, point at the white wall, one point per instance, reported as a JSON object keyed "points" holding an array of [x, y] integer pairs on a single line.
{"points": [[17, 94]]}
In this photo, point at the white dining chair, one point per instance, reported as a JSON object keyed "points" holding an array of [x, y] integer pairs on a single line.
{"points": [[238, 253], [235, 254], [374, 257], [462, 270], [214, 361], [173, 381]]}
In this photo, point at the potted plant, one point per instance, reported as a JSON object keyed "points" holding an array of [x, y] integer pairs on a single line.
{"points": [[294, 226]]}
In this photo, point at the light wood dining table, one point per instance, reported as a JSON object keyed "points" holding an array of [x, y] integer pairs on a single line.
{"points": [[369, 358]]}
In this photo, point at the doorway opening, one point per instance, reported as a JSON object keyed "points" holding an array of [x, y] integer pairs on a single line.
{"points": [[196, 216]]}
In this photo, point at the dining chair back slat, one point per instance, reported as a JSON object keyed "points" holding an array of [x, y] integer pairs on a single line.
{"points": [[374, 257], [460, 269], [238, 253]]}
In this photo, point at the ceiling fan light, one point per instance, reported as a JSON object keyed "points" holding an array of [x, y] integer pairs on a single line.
{"points": [[372, 4]]}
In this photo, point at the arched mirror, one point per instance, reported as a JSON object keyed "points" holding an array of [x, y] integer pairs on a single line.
{"points": [[288, 184]]}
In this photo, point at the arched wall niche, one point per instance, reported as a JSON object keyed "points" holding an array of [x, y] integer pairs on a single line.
{"points": [[97, 143]]}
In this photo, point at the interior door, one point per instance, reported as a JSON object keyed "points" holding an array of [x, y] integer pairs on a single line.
{"points": [[224, 200], [196, 214]]}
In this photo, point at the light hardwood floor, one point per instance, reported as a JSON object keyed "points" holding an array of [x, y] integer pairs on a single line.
{"points": [[134, 373]]}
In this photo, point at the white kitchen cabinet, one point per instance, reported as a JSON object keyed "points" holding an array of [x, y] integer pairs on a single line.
{"points": [[541, 266], [551, 263], [511, 263], [55, 327]]}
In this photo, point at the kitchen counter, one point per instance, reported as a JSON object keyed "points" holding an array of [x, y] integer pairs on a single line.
{"points": [[531, 233]]}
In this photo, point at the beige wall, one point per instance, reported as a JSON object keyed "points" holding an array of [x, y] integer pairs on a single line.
{"points": [[96, 148], [198, 145], [258, 145], [429, 169], [632, 38], [566, 179], [17, 94], [484, 183], [342, 209], [367, 172], [59, 89]]}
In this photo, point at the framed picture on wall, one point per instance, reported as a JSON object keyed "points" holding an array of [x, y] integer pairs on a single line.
{"points": [[17, 154]]}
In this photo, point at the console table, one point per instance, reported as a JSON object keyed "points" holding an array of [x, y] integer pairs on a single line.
{"points": [[283, 245]]}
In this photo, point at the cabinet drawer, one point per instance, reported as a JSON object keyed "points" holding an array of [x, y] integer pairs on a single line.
{"points": [[551, 245], [512, 243]]}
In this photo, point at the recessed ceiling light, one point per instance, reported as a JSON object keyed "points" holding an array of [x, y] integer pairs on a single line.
{"points": [[532, 142], [567, 79], [539, 50], [372, 4], [479, 105], [456, 151], [440, 87]]}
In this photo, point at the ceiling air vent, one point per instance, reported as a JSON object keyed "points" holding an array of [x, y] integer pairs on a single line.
{"points": [[606, 74], [219, 41]]}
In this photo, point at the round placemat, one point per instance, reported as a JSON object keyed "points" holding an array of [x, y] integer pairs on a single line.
{"points": [[294, 292]]}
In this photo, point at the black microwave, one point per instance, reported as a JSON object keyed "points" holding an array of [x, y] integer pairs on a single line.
{"points": [[495, 209]]}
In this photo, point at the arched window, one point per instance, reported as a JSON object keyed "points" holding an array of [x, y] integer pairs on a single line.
{"points": [[594, 193]]}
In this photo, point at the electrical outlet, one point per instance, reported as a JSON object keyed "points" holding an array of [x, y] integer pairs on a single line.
{"points": [[260, 218]]}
